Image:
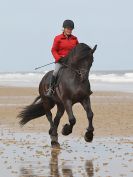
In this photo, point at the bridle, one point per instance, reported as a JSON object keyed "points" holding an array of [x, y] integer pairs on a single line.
{"points": [[81, 72]]}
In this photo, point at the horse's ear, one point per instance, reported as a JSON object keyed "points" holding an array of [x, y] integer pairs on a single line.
{"points": [[93, 50]]}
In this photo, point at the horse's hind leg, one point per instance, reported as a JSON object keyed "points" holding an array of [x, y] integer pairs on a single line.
{"points": [[59, 114], [87, 106], [54, 138], [53, 130], [49, 117], [67, 129]]}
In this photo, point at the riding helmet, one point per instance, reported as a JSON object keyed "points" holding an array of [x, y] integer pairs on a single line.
{"points": [[68, 24]]}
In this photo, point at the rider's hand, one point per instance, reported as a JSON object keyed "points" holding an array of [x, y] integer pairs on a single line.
{"points": [[61, 60]]}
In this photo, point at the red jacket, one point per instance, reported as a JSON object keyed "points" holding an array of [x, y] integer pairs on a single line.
{"points": [[62, 46]]}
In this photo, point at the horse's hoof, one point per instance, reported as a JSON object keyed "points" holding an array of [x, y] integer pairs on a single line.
{"points": [[55, 144], [66, 129], [88, 136]]}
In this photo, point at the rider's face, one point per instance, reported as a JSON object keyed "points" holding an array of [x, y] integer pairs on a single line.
{"points": [[68, 31]]}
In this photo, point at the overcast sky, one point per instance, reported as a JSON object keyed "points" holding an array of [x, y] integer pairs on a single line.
{"points": [[28, 27]]}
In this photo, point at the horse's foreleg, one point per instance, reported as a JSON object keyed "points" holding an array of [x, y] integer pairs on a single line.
{"points": [[87, 106], [67, 129], [53, 130]]}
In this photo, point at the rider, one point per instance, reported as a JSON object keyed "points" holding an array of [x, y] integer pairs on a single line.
{"points": [[62, 45]]}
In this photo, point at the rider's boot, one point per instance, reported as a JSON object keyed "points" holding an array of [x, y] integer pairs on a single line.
{"points": [[51, 87]]}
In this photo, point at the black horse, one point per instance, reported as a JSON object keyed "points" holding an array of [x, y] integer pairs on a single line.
{"points": [[72, 87]]}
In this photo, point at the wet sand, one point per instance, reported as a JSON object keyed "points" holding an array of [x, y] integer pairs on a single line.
{"points": [[26, 152], [30, 155]]}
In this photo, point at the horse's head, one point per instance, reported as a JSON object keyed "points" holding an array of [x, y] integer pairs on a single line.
{"points": [[81, 58]]}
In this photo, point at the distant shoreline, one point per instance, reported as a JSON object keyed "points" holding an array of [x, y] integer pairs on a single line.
{"points": [[100, 80]]}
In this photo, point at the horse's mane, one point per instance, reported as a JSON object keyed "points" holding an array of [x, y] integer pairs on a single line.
{"points": [[80, 51]]}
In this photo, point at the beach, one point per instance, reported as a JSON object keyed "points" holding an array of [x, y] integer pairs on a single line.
{"points": [[113, 112], [26, 151]]}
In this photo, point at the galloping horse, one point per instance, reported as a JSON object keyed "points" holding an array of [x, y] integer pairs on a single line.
{"points": [[72, 87]]}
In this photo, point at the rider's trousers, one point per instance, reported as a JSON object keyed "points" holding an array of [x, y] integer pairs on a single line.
{"points": [[57, 67]]}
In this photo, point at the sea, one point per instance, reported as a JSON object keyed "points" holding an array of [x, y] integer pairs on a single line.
{"points": [[100, 80]]}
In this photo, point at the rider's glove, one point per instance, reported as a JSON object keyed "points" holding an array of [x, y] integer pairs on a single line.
{"points": [[61, 60]]}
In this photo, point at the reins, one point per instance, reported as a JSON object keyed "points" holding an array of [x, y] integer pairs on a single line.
{"points": [[80, 72]]}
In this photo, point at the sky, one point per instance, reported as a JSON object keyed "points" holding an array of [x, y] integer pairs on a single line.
{"points": [[28, 27]]}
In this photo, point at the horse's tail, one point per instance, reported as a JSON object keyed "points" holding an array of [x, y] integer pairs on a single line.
{"points": [[35, 110]]}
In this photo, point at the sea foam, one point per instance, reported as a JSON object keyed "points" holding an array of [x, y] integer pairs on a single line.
{"points": [[32, 79]]}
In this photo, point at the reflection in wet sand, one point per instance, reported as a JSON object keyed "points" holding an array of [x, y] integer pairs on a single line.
{"points": [[26, 173], [29, 155], [89, 168], [67, 172], [54, 169]]}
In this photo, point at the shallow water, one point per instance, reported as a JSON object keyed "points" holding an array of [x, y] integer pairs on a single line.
{"points": [[30, 155]]}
